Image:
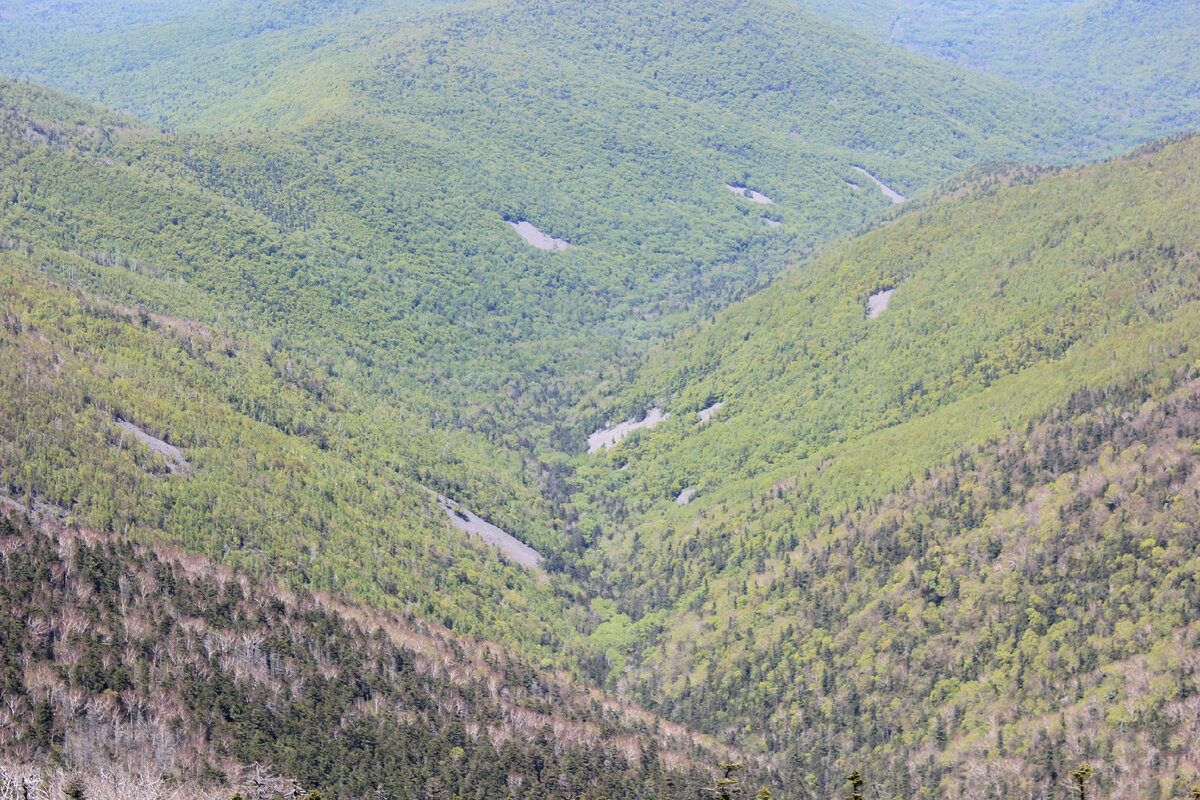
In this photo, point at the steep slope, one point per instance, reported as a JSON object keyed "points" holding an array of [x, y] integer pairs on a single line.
{"points": [[279, 347], [134, 299], [600, 126], [1008, 270], [157, 667], [162, 429], [903, 550], [986, 629], [105, 201]]}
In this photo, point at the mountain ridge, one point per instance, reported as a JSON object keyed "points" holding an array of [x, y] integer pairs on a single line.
{"points": [[712, 588], [942, 539], [220, 670]]}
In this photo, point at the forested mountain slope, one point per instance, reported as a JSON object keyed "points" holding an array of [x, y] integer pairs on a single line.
{"points": [[134, 297], [1011, 268], [163, 669], [228, 64], [393, 142], [1010, 442], [260, 460], [600, 125], [217, 60], [939, 527], [1131, 67], [358, 287]]}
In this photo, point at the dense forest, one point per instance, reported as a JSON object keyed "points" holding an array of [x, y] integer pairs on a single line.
{"points": [[1070, 540], [840, 433], [920, 500], [283, 471], [999, 272], [1129, 66], [152, 664]]}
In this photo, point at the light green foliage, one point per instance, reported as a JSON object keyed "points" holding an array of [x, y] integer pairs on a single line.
{"points": [[368, 237], [613, 636], [810, 586], [403, 136], [290, 472], [1014, 270], [944, 537], [1127, 69]]}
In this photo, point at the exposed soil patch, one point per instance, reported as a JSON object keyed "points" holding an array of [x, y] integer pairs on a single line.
{"points": [[878, 303], [539, 239], [608, 437], [749, 194], [463, 519], [176, 463], [888, 191]]}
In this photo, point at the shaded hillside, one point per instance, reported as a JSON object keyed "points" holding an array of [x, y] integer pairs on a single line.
{"points": [[126, 56], [140, 661]]}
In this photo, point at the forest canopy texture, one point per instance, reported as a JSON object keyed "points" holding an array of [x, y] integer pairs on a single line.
{"points": [[886, 312]]}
